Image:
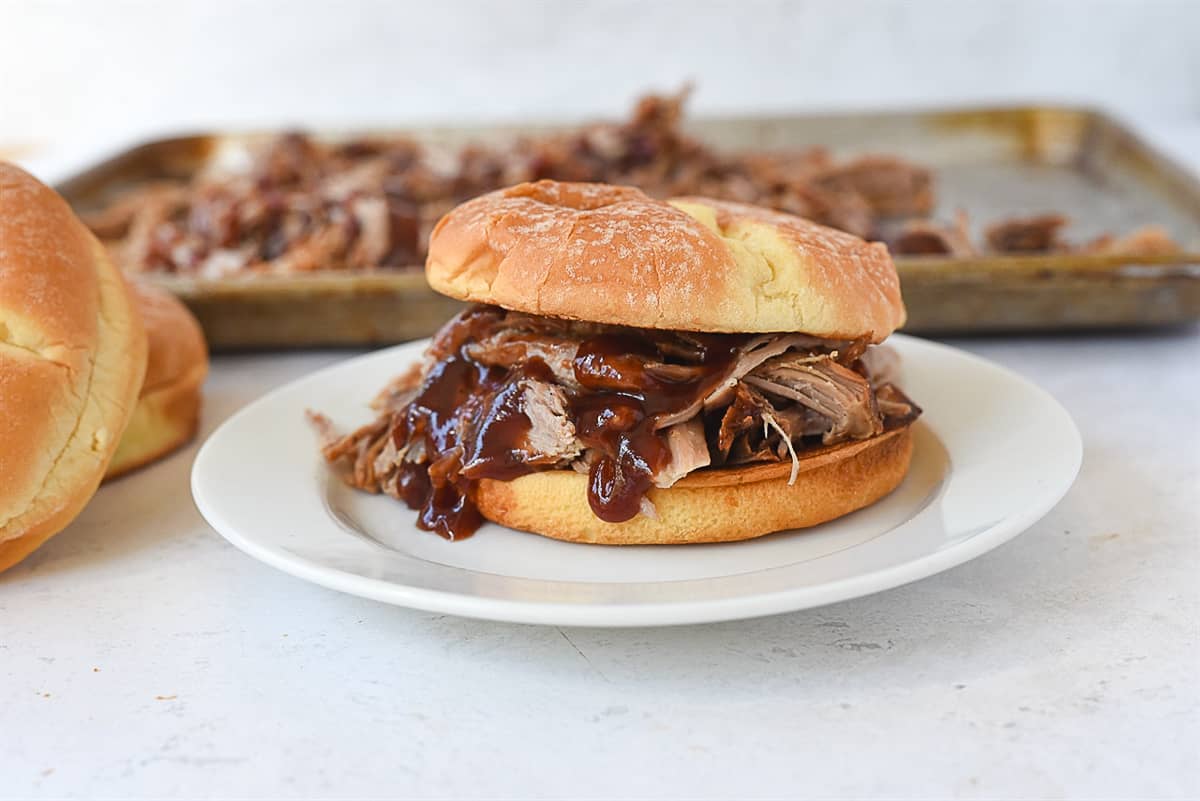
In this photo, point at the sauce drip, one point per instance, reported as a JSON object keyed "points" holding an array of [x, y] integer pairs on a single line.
{"points": [[470, 421]]}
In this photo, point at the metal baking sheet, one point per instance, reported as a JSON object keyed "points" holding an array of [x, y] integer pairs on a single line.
{"points": [[993, 163]]}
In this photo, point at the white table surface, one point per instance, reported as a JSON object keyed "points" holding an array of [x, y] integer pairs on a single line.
{"points": [[142, 656]]}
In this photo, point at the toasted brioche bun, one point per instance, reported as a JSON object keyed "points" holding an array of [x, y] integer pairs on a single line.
{"points": [[611, 254], [721, 505], [168, 409], [72, 357]]}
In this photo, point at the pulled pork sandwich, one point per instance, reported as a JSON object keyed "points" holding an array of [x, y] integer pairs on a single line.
{"points": [[636, 371]]}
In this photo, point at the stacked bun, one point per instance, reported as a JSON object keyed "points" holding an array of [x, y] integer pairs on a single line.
{"points": [[168, 408], [72, 359], [97, 376]]}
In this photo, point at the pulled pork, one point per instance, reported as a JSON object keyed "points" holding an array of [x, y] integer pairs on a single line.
{"points": [[502, 394], [1019, 236], [299, 204]]}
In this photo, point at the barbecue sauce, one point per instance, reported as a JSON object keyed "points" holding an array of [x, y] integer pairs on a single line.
{"points": [[624, 399], [471, 422]]}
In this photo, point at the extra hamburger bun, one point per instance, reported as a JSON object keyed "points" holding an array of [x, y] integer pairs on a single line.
{"points": [[72, 357], [611, 254], [720, 505], [168, 408]]}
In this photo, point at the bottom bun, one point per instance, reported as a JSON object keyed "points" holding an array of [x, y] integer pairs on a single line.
{"points": [[710, 505], [168, 410]]}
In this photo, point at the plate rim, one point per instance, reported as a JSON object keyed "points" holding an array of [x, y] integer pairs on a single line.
{"points": [[613, 615]]}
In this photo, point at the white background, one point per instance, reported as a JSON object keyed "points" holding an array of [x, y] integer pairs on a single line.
{"points": [[103, 70], [141, 656]]}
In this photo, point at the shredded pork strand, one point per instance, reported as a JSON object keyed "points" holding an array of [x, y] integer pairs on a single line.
{"points": [[770, 423]]}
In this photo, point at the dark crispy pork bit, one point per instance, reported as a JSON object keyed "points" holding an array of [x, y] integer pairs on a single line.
{"points": [[753, 427], [744, 413], [921, 240], [932, 238], [1027, 235], [502, 394], [896, 408]]}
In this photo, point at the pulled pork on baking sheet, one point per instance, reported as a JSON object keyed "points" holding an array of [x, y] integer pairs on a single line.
{"points": [[502, 394], [1039, 234], [303, 204]]}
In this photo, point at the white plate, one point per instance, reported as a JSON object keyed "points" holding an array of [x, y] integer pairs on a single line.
{"points": [[993, 454]]}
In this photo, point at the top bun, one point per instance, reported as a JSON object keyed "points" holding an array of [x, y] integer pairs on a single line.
{"points": [[612, 254], [72, 357]]}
